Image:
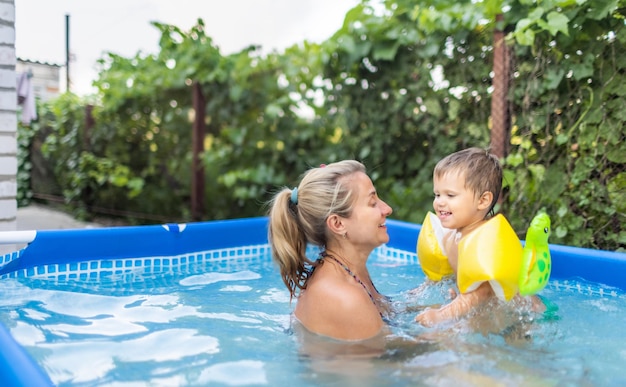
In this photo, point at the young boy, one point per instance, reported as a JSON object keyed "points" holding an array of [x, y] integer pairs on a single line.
{"points": [[467, 185]]}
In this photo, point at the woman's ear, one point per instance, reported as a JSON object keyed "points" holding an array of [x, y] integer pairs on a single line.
{"points": [[484, 202], [335, 224]]}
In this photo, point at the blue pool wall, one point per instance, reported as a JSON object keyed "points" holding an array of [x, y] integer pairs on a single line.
{"points": [[51, 247], [76, 245]]}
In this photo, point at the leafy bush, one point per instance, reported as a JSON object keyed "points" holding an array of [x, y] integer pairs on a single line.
{"points": [[397, 87]]}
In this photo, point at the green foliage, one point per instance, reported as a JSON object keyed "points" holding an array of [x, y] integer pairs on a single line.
{"points": [[568, 127], [25, 136], [400, 85], [86, 178], [395, 110]]}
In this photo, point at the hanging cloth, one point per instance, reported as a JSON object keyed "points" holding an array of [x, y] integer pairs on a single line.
{"points": [[26, 98]]}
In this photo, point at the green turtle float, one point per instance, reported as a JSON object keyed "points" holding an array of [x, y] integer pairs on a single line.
{"points": [[536, 260]]}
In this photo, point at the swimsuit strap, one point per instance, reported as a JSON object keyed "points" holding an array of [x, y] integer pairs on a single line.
{"points": [[347, 269]]}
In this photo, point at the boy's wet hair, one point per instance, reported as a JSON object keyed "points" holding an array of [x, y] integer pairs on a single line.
{"points": [[481, 170]]}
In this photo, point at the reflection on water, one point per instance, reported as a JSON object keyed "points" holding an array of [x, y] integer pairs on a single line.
{"points": [[500, 344], [91, 359], [236, 373], [232, 326], [89, 337]]}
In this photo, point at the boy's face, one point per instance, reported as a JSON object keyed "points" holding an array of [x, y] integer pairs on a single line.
{"points": [[455, 205]]}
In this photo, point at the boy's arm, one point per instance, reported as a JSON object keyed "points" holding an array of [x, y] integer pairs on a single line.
{"points": [[451, 248], [458, 308]]}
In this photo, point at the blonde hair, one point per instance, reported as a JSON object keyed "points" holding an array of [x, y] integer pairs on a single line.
{"points": [[294, 224], [480, 168]]}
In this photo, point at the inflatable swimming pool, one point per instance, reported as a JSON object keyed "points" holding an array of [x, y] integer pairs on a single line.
{"points": [[63, 252]]}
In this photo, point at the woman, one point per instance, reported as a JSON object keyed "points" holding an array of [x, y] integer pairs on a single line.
{"points": [[336, 208]]}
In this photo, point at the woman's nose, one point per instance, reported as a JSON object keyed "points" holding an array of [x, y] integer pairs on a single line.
{"points": [[387, 208]]}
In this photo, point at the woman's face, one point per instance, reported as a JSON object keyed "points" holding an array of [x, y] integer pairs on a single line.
{"points": [[367, 225]]}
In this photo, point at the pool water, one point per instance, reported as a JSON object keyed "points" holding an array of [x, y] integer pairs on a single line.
{"points": [[226, 321]]}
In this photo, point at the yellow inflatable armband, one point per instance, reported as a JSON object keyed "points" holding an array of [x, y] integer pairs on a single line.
{"points": [[433, 260], [491, 253]]}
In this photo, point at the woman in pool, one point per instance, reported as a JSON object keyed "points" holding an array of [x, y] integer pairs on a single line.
{"points": [[336, 208]]}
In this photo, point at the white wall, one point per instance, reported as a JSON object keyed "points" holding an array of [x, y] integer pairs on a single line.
{"points": [[8, 117], [46, 79]]}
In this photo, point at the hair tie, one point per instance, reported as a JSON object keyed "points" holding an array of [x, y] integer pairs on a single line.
{"points": [[294, 195]]}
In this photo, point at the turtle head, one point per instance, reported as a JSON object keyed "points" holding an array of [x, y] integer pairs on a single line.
{"points": [[539, 229]]}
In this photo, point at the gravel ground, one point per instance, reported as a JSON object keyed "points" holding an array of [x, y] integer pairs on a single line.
{"points": [[38, 217]]}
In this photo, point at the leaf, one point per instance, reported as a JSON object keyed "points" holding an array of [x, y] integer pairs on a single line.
{"points": [[536, 14], [599, 9], [508, 177], [617, 191], [433, 107], [273, 110], [553, 78], [429, 49], [560, 231], [119, 180], [365, 152], [386, 51], [525, 37], [492, 8], [514, 159], [584, 69], [557, 22], [537, 171], [454, 107], [522, 25], [235, 92]]}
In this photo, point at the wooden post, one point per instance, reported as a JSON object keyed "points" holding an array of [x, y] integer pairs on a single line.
{"points": [[499, 111], [197, 138], [89, 124]]}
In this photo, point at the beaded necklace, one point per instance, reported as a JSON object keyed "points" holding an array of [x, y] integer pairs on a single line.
{"points": [[347, 269]]}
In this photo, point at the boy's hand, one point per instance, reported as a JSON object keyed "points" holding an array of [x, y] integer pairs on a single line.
{"points": [[429, 317], [459, 307]]}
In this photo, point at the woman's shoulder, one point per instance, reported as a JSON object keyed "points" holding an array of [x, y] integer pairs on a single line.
{"points": [[334, 290], [334, 280], [333, 306], [338, 312], [329, 284]]}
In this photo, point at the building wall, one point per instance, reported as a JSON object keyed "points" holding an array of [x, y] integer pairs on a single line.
{"points": [[46, 78], [8, 117]]}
